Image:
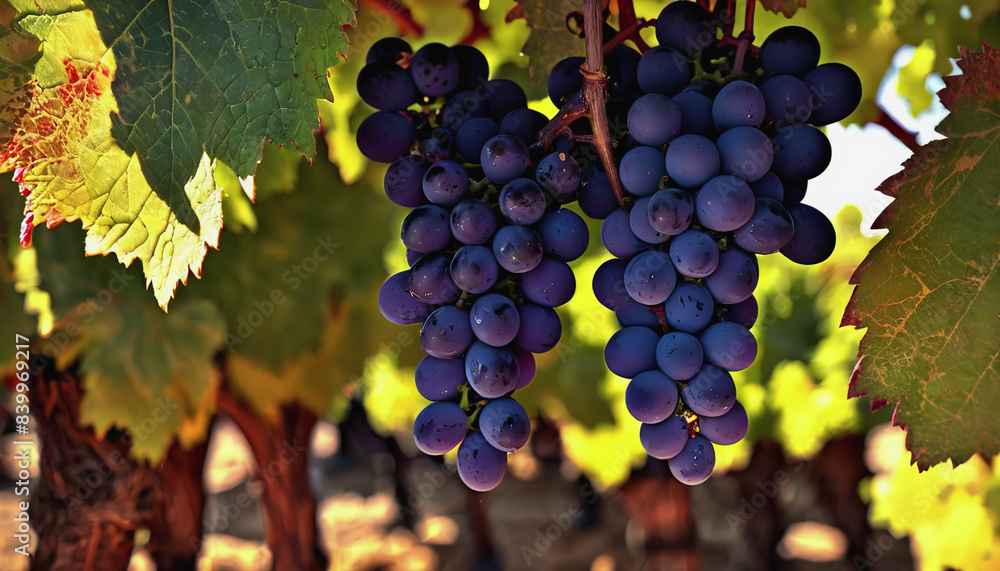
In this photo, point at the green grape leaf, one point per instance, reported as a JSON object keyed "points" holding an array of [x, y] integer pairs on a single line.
{"points": [[550, 41], [70, 169], [146, 371], [218, 78], [929, 292], [308, 259], [17, 50], [785, 7]]}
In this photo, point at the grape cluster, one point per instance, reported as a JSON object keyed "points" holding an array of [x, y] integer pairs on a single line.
{"points": [[486, 239], [715, 175]]}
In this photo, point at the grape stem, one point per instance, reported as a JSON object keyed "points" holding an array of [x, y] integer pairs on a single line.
{"points": [[661, 316], [399, 14], [595, 81], [629, 26], [590, 101], [746, 38]]}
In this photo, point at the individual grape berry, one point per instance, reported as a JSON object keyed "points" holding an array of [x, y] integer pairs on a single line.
{"points": [[472, 136], [734, 279], [504, 96], [670, 211], [638, 221], [692, 160], [474, 269], [504, 424], [495, 319], [654, 120], [724, 203], [727, 429], [641, 170], [430, 281], [679, 355], [790, 50], [551, 283], [540, 328], [472, 221], [623, 72], [440, 427], [650, 277], [434, 70], [446, 184], [504, 158], [559, 174], [491, 371], [665, 439], [386, 86], [769, 186], [631, 351], [439, 379], [481, 467], [787, 100], [426, 229], [695, 463], [597, 200], [462, 107], [745, 152], [564, 234], [565, 80], [403, 182], [743, 313], [801, 152], [711, 392], [396, 303], [836, 91], [526, 363], [694, 254], [651, 396], [392, 50], [814, 237], [436, 144], [618, 238], [689, 308], [768, 230], [686, 27], [729, 346], [474, 69], [696, 113], [663, 70], [739, 103], [446, 333], [523, 124], [522, 202], [609, 284], [385, 136], [517, 249]]}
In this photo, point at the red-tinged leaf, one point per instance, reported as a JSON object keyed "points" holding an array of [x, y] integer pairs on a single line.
{"points": [[929, 292], [786, 7]]}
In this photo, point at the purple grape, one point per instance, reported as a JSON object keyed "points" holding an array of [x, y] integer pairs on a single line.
{"points": [[526, 363], [664, 439], [491, 371], [551, 283], [439, 379], [727, 429], [446, 333], [385, 136], [494, 319], [692, 160], [638, 221], [711, 392], [651, 396], [689, 308], [446, 184], [504, 424], [517, 249], [768, 230], [425, 229], [738, 103], [618, 238], [745, 152], [597, 199], [729, 346], [559, 174], [670, 211], [504, 158], [439, 427], [564, 234], [695, 463], [472, 221], [434, 69], [694, 254], [735, 278], [679, 355], [650, 277], [631, 351], [430, 281], [396, 303], [540, 328], [743, 313], [724, 203], [481, 467], [814, 237], [403, 182], [654, 120], [474, 269], [641, 170], [522, 202]]}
